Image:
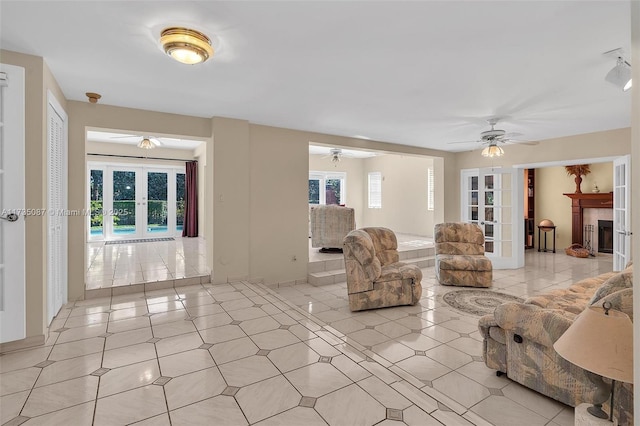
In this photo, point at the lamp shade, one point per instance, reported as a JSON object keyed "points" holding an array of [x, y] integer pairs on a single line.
{"points": [[600, 341]]}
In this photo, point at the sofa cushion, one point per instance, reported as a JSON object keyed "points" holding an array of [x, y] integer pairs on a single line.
{"points": [[463, 263], [458, 232], [617, 282], [452, 247]]}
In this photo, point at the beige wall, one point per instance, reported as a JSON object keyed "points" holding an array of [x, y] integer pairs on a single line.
{"points": [[231, 193], [404, 194], [260, 198], [550, 203], [279, 204]]}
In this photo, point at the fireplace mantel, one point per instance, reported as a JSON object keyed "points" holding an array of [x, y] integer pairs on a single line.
{"points": [[581, 201]]}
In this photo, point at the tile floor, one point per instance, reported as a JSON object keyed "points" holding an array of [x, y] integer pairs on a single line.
{"points": [[241, 353], [115, 265]]}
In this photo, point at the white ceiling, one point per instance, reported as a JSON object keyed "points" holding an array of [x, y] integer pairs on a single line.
{"points": [[129, 139], [417, 73], [352, 153]]}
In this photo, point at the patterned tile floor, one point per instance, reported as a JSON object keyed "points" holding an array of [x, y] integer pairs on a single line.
{"points": [[240, 353]]}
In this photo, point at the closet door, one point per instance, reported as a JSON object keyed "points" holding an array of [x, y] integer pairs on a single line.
{"points": [[56, 208]]}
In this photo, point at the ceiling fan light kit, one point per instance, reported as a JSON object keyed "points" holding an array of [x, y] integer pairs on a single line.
{"points": [[492, 151], [335, 155], [186, 45], [146, 143]]}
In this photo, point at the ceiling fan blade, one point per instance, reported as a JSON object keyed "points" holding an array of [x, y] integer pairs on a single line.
{"points": [[453, 143], [512, 135], [520, 142], [124, 136]]}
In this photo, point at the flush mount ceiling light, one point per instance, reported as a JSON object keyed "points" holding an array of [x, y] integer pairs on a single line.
{"points": [[492, 150], [186, 45]]}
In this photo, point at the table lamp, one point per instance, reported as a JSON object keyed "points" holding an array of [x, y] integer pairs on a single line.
{"points": [[600, 341]]}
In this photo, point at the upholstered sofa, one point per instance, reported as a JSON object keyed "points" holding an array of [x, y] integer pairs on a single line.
{"points": [[519, 338], [460, 259], [330, 224], [375, 276]]}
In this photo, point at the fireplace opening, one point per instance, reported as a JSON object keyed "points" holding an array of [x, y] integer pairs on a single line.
{"points": [[605, 236]]}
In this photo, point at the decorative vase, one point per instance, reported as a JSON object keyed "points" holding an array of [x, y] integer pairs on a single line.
{"points": [[578, 180]]}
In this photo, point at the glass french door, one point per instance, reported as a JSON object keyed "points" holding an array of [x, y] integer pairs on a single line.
{"points": [[135, 202], [490, 200], [621, 217]]}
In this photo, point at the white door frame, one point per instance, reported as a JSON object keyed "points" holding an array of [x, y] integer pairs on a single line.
{"points": [[563, 163], [12, 257], [621, 217], [508, 250]]}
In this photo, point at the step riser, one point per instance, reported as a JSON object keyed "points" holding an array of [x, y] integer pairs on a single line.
{"points": [[148, 286], [334, 276]]}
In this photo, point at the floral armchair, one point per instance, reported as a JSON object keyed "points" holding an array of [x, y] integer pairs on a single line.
{"points": [[375, 277], [460, 259]]}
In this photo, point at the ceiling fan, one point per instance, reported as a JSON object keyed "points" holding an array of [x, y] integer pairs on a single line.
{"points": [[335, 154], [494, 136]]}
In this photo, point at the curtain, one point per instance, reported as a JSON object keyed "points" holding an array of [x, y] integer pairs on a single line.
{"points": [[190, 227]]}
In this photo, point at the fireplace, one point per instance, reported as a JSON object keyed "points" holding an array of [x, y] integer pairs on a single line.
{"points": [[605, 236]]}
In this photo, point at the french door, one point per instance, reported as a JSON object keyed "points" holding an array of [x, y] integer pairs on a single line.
{"points": [[135, 202], [621, 217], [492, 198]]}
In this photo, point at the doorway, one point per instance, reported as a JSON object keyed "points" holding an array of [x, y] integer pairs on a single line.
{"points": [[133, 202]]}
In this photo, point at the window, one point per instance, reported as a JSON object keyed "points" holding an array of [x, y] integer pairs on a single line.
{"points": [[430, 189], [375, 190], [327, 187]]}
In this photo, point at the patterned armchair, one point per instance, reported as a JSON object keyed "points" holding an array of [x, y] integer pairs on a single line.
{"points": [[375, 277], [329, 225], [460, 258]]}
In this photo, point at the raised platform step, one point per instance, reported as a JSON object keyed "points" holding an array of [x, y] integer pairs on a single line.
{"points": [[326, 272]]}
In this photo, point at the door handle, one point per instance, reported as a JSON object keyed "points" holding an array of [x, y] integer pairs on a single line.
{"points": [[11, 217]]}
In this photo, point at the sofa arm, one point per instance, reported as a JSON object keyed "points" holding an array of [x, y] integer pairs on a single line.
{"points": [[485, 323], [543, 326]]}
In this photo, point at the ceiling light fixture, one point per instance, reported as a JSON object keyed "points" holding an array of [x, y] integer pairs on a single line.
{"points": [[93, 97], [146, 143], [186, 45], [620, 75], [493, 150]]}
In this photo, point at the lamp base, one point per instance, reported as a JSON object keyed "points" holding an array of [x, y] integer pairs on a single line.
{"points": [[597, 411]]}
